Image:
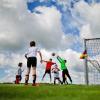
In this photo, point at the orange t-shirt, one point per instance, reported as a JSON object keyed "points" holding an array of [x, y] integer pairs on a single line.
{"points": [[49, 64]]}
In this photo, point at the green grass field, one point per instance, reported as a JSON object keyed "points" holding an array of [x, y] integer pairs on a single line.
{"points": [[49, 92]]}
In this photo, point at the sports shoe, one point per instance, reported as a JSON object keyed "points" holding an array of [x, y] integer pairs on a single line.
{"points": [[26, 83], [35, 84]]}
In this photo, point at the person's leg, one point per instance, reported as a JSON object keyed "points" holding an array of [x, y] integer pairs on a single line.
{"points": [[63, 74], [66, 79], [44, 75], [34, 65], [34, 74], [54, 80], [20, 78], [28, 71], [27, 76], [59, 81], [50, 76], [68, 75], [17, 79]]}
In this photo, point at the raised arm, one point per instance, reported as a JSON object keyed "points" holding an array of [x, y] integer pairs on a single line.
{"points": [[59, 59]]}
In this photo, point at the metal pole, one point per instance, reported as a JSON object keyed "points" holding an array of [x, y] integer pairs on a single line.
{"points": [[86, 66]]}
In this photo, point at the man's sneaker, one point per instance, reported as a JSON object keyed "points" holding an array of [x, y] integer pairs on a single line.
{"points": [[35, 84], [26, 83]]}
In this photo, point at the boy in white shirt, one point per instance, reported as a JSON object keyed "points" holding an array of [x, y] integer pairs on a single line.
{"points": [[32, 61]]}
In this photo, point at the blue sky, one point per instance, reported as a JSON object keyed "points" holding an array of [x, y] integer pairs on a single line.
{"points": [[55, 25], [66, 14], [67, 18]]}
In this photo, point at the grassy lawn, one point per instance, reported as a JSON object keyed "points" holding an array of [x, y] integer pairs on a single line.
{"points": [[49, 92]]}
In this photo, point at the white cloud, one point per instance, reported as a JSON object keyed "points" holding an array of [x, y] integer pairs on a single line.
{"points": [[86, 31], [11, 60], [91, 15], [75, 65], [73, 58], [18, 27], [22, 26]]}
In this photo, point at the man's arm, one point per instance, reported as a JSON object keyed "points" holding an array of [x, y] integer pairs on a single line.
{"points": [[26, 56], [44, 61], [40, 56]]}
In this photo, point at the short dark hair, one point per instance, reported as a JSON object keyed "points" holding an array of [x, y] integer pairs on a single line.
{"points": [[32, 43], [65, 61], [20, 64], [50, 59]]}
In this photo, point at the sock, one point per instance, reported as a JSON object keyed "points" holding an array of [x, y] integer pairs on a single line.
{"points": [[34, 79], [26, 79]]}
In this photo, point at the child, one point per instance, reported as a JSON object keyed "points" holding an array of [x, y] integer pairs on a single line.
{"points": [[19, 73], [48, 68], [64, 69], [56, 70], [32, 61]]}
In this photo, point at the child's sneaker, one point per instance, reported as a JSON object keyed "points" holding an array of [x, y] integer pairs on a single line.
{"points": [[26, 83], [71, 81]]}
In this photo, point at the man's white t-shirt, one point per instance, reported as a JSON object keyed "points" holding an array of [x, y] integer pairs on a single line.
{"points": [[32, 52]]}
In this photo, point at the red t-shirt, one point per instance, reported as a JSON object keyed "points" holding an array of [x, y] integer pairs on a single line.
{"points": [[49, 64]]}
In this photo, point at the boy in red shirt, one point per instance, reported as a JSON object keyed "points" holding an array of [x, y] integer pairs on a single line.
{"points": [[48, 68]]}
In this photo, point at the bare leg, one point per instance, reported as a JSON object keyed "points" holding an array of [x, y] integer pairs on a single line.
{"points": [[27, 76], [43, 75], [34, 74]]}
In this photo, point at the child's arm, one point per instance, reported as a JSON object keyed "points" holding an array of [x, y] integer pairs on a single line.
{"points": [[22, 70], [59, 59], [53, 63], [58, 69], [52, 70]]}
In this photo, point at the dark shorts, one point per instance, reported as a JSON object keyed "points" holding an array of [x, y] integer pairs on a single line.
{"points": [[65, 71], [31, 61], [48, 71]]}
